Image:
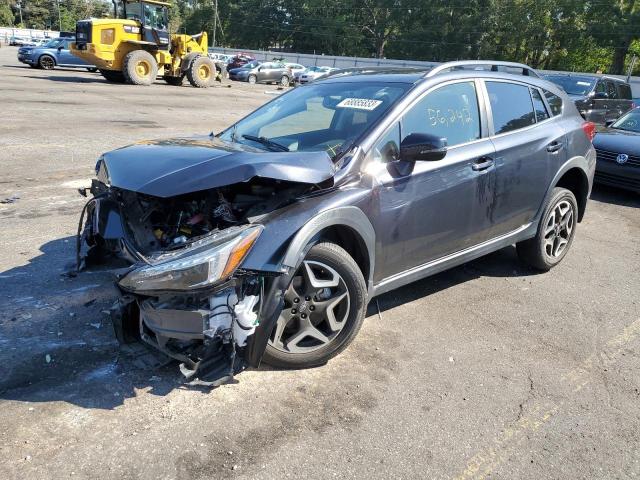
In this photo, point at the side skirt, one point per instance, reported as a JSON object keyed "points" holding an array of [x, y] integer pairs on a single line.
{"points": [[463, 256]]}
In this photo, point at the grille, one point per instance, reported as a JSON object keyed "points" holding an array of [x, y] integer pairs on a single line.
{"points": [[606, 156], [83, 32], [618, 181]]}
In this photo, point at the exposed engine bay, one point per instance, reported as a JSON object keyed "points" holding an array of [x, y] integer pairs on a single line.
{"points": [[196, 317]]}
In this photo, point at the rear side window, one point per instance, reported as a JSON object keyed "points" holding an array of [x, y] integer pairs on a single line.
{"points": [[511, 106], [538, 105], [450, 111], [612, 91], [624, 91], [555, 103]]}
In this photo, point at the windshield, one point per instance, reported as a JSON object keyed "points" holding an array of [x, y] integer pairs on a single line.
{"points": [[573, 85], [630, 121], [321, 117]]}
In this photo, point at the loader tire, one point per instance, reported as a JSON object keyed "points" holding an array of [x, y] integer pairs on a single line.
{"points": [[202, 72], [112, 76], [175, 81], [140, 68]]}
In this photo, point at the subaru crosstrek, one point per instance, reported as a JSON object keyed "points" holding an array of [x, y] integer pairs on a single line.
{"points": [[268, 239]]}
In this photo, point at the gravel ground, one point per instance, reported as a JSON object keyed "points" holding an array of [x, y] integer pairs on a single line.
{"points": [[486, 371]]}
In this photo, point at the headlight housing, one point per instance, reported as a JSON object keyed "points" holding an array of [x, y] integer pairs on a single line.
{"points": [[202, 264]]}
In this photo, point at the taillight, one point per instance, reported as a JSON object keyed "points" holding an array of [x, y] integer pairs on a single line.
{"points": [[589, 129]]}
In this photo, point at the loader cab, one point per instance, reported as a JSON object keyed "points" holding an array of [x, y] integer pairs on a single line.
{"points": [[153, 17]]}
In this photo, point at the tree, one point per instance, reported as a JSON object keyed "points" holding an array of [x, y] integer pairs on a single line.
{"points": [[6, 14]]}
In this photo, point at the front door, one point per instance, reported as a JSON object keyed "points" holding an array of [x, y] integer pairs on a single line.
{"points": [[427, 210]]}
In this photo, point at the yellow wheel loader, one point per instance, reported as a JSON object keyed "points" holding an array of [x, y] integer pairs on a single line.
{"points": [[136, 47]]}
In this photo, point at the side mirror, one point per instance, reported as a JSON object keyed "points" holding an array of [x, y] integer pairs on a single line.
{"points": [[60, 48], [601, 96], [423, 147]]}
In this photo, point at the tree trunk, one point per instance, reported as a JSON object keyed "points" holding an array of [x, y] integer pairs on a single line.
{"points": [[619, 55]]}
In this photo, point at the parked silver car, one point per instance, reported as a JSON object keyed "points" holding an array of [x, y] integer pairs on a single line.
{"points": [[262, 72]]}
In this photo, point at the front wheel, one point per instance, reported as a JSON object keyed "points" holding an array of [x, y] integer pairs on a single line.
{"points": [[284, 81], [252, 79], [46, 62], [555, 233], [202, 72], [324, 308]]}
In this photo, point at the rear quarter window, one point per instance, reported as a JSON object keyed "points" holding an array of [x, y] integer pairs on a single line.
{"points": [[624, 91], [554, 101], [511, 106]]}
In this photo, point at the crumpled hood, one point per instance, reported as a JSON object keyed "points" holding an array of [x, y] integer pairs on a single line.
{"points": [[166, 168], [617, 141]]}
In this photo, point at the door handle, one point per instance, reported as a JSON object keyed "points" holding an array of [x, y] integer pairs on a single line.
{"points": [[482, 164], [553, 147]]}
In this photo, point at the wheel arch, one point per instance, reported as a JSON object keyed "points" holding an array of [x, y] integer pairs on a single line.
{"points": [[51, 56], [187, 60], [348, 227], [574, 176]]}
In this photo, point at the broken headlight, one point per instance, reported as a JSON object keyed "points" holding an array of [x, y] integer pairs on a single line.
{"points": [[202, 264]]}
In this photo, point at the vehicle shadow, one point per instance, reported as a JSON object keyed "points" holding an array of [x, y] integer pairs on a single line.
{"points": [[78, 79], [616, 196], [57, 343]]}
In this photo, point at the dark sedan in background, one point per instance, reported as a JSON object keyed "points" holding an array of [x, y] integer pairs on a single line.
{"points": [[618, 149]]}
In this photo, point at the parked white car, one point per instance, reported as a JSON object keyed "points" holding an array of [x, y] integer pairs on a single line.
{"points": [[313, 73]]}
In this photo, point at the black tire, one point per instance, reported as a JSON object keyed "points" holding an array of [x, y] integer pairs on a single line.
{"points": [[252, 79], [555, 234], [202, 72], [46, 62], [140, 68], [175, 81], [353, 312], [285, 81], [112, 76], [92, 69]]}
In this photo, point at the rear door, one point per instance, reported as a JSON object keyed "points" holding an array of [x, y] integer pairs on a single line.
{"points": [[625, 101], [529, 144], [600, 103]]}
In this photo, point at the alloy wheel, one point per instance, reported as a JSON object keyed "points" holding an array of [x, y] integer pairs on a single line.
{"points": [[558, 229], [316, 309], [47, 63]]}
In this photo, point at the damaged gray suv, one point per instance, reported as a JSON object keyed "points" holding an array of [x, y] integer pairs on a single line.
{"points": [[266, 241]]}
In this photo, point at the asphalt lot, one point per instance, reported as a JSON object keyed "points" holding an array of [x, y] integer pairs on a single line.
{"points": [[486, 371]]}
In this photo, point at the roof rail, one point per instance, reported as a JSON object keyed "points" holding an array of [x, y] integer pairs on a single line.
{"points": [[494, 64]]}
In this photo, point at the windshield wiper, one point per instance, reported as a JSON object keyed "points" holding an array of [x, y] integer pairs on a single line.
{"points": [[275, 146]]}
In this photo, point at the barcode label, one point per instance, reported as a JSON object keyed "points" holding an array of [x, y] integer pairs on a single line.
{"points": [[359, 103]]}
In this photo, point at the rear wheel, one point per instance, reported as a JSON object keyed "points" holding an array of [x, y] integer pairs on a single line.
{"points": [[46, 62], [323, 311], [113, 76], [140, 68], [555, 232], [175, 81], [202, 72]]}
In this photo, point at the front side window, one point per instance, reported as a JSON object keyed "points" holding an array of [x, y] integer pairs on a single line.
{"points": [[450, 111], [511, 106], [601, 87], [624, 91], [612, 91], [321, 117]]}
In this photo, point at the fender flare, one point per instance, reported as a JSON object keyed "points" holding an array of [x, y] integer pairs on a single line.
{"points": [[347, 216], [186, 61], [576, 162]]}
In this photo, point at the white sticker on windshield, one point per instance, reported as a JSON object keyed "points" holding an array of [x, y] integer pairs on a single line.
{"points": [[586, 84], [359, 103]]}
